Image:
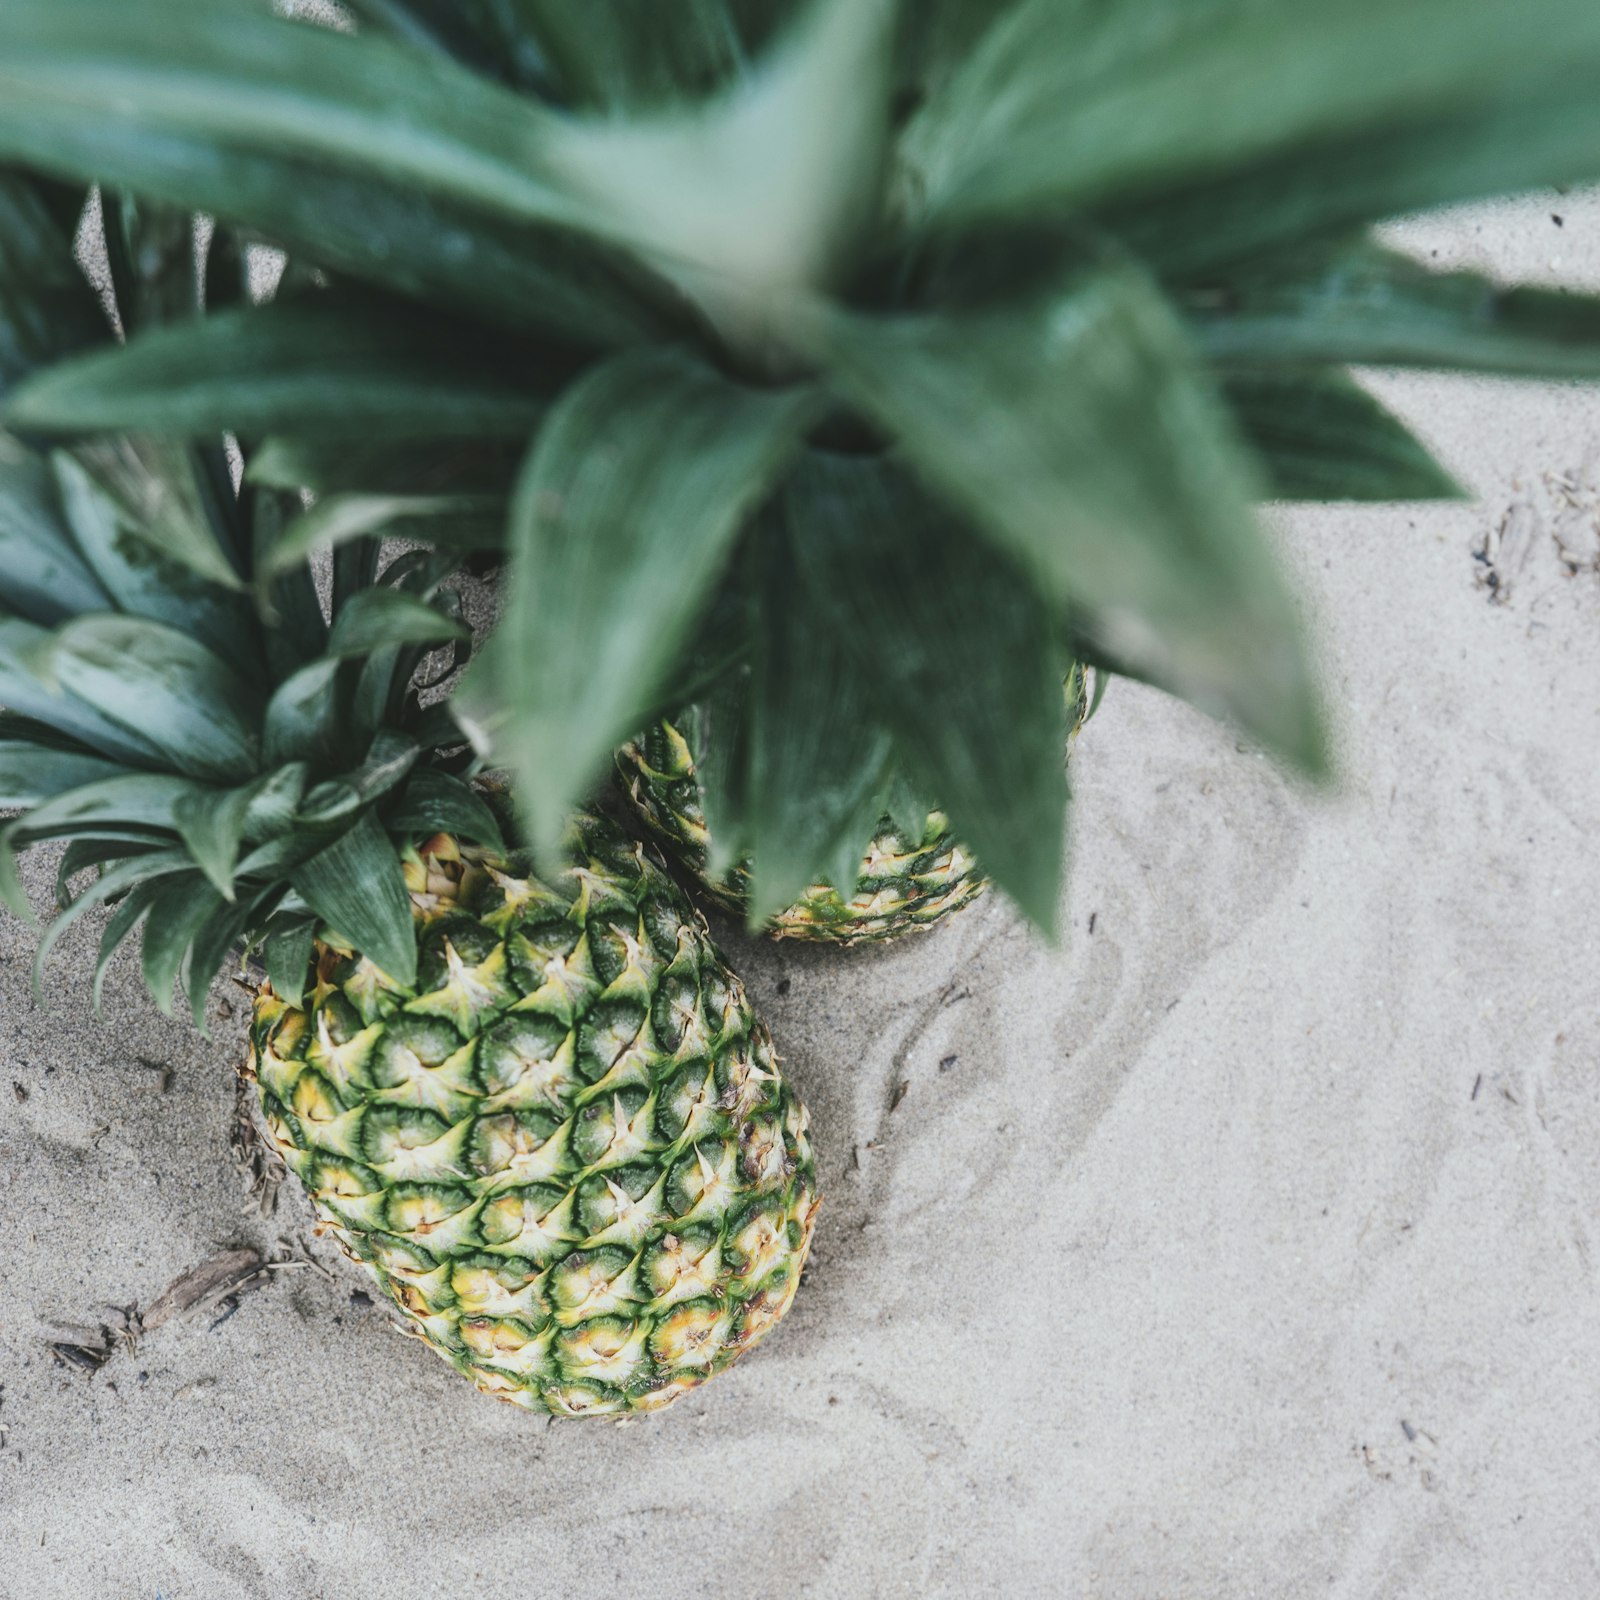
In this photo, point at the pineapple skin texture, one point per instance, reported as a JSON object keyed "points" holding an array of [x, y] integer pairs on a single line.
{"points": [[568, 1156]]}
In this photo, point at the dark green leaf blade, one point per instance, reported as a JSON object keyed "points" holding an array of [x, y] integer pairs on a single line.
{"points": [[628, 506], [143, 802], [47, 308], [374, 619], [26, 689], [121, 507], [1075, 429], [959, 655], [768, 186], [115, 881], [817, 752], [622, 55], [1148, 99], [342, 517], [435, 802], [342, 368], [1357, 303], [239, 75], [211, 823], [178, 911], [1323, 437], [1510, 139], [30, 772], [287, 954], [45, 579], [163, 686], [357, 887], [159, 488]]}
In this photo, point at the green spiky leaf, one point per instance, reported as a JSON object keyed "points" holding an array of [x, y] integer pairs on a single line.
{"points": [[356, 886], [324, 364], [629, 504], [817, 753], [375, 619], [31, 773], [47, 308], [435, 802], [1356, 302], [945, 632], [1075, 430], [1150, 98], [162, 685], [1323, 437]]}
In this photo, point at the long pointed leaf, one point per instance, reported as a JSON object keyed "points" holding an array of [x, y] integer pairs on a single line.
{"points": [[24, 689], [162, 685], [340, 518], [624, 55], [211, 822], [1514, 137], [1076, 431], [46, 305], [144, 801], [377, 618], [31, 772], [178, 911], [817, 753], [1360, 304], [115, 511], [959, 657], [1323, 437], [114, 881], [357, 887], [1066, 106], [763, 188], [331, 366], [232, 72], [434, 802], [42, 577], [628, 507]]}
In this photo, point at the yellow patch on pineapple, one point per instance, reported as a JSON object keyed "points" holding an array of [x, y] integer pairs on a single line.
{"points": [[691, 1337]]}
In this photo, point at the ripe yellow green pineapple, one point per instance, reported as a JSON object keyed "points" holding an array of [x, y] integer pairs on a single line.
{"points": [[568, 1155]]}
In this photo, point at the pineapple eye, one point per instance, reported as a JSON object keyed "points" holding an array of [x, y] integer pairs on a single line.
{"points": [[344, 1182], [313, 1099], [394, 1130], [688, 1104], [408, 1041], [527, 1053], [607, 1351], [610, 1030], [513, 1140], [423, 1210], [692, 1336]]}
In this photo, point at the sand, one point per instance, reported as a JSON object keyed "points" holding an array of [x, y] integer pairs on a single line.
{"points": [[1244, 1246]]}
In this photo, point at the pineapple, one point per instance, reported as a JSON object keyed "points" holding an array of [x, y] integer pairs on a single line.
{"points": [[537, 1105], [566, 1153], [914, 873]]}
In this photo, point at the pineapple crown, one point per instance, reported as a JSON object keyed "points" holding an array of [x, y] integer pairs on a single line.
{"points": [[230, 760], [877, 360]]}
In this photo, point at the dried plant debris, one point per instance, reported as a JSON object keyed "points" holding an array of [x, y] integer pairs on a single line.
{"points": [[209, 1286], [1504, 551], [86, 1350], [1575, 518], [262, 1166], [215, 1285]]}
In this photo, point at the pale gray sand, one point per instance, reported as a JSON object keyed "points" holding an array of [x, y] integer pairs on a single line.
{"points": [[1244, 1247]]}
